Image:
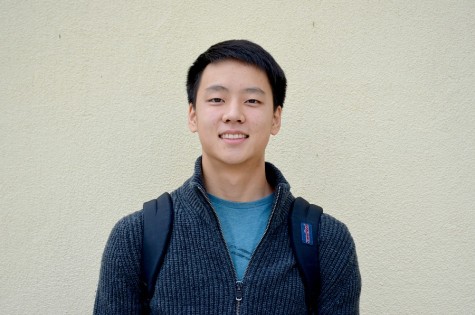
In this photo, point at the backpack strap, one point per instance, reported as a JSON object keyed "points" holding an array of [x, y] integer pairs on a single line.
{"points": [[157, 226], [304, 227]]}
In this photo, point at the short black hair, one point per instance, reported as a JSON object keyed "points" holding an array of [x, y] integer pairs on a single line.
{"points": [[244, 51]]}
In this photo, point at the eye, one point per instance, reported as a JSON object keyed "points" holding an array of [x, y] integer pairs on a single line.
{"points": [[253, 101], [216, 100]]}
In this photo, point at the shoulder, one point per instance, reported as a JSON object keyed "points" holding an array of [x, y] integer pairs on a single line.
{"points": [[340, 275], [119, 287], [126, 235], [335, 237], [337, 249], [129, 225], [333, 230]]}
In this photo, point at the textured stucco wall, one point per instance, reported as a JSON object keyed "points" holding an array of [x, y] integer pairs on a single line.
{"points": [[378, 128]]}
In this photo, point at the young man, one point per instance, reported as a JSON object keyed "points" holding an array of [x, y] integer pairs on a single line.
{"points": [[230, 250]]}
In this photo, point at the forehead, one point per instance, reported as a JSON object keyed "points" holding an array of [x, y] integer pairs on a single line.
{"points": [[233, 73]]}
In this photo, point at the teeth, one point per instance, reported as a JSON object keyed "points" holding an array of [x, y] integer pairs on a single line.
{"points": [[233, 136]]}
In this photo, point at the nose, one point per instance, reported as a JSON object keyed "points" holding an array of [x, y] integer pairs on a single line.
{"points": [[233, 112]]}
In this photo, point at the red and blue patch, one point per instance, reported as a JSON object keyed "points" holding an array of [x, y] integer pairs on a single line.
{"points": [[306, 232]]}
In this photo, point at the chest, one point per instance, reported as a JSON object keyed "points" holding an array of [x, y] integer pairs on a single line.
{"points": [[198, 276]]}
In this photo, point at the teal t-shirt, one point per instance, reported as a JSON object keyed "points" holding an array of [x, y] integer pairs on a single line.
{"points": [[243, 224]]}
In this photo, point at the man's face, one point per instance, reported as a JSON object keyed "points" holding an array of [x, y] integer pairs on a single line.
{"points": [[234, 114]]}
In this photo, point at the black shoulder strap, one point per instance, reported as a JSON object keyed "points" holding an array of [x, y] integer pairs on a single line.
{"points": [[157, 225], [304, 226]]}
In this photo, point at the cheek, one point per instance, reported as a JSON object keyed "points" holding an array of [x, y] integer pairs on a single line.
{"points": [[264, 123], [207, 121]]}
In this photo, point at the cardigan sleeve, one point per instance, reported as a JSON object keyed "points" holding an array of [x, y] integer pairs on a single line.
{"points": [[340, 275], [120, 290]]}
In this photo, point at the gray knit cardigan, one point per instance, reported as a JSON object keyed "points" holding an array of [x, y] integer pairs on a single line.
{"points": [[198, 276]]}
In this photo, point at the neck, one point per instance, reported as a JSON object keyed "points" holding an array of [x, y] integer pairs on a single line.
{"points": [[240, 183]]}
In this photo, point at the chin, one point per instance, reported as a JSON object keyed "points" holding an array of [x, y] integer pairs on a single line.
{"points": [[231, 160], [236, 161]]}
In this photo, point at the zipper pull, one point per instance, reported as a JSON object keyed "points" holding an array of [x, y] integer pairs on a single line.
{"points": [[238, 291]]}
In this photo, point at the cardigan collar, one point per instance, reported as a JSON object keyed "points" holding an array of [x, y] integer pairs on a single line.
{"points": [[193, 193]]}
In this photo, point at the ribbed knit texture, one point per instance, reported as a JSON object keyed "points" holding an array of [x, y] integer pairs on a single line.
{"points": [[197, 276]]}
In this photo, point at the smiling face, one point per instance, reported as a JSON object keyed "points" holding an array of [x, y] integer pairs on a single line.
{"points": [[233, 114]]}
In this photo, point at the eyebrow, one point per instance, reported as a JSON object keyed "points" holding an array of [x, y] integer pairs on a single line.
{"points": [[251, 90], [216, 88], [254, 90]]}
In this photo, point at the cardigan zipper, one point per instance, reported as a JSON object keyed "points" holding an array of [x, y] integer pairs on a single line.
{"points": [[238, 296], [240, 284], [265, 231]]}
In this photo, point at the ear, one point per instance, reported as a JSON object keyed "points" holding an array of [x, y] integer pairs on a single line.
{"points": [[192, 119], [276, 120]]}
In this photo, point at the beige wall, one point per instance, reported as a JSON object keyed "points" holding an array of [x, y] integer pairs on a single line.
{"points": [[378, 128]]}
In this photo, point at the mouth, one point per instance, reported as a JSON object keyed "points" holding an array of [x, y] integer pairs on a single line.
{"points": [[233, 136]]}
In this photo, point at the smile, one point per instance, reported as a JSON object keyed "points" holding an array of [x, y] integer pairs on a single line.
{"points": [[233, 136]]}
